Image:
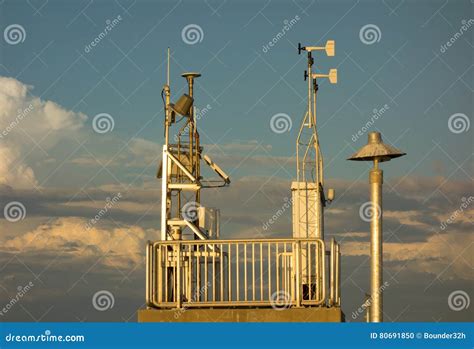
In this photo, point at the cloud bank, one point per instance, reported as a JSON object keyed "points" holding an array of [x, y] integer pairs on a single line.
{"points": [[26, 122]]}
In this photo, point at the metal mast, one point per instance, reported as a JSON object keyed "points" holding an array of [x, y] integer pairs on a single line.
{"points": [[180, 170], [308, 190]]}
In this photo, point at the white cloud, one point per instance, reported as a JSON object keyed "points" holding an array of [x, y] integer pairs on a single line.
{"points": [[120, 247], [12, 171], [442, 255], [24, 120]]}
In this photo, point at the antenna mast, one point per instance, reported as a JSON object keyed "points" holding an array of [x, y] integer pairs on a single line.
{"points": [[308, 191], [180, 170]]}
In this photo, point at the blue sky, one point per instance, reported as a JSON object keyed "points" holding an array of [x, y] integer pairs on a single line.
{"points": [[126, 70], [64, 173]]}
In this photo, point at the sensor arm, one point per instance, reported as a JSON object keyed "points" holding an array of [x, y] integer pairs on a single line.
{"points": [[217, 169]]}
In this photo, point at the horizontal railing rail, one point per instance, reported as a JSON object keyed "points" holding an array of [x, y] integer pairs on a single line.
{"points": [[253, 273]]}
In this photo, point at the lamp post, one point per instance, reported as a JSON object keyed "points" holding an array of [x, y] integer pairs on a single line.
{"points": [[377, 151]]}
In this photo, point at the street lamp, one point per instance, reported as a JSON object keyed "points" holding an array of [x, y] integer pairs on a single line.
{"points": [[377, 151]]}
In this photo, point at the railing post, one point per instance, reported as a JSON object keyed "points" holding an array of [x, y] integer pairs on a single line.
{"points": [[157, 280], [332, 273], [323, 271], [298, 273], [338, 275], [148, 272], [178, 275]]}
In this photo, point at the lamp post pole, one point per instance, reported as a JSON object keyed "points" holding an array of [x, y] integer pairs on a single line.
{"points": [[376, 239], [377, 151]]}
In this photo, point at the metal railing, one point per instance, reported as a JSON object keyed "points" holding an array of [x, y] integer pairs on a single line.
{"points": [[254, 273]]}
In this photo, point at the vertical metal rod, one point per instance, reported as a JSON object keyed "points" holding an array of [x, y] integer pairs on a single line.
{"points": [[221, 268], [298, 274], [166, 276], [278, 268], [164, 194], [310, 276], [245, 272], [214, 279], [178, 276], [198, 273], [149, 272], [338, 275], [284, 267], [229, 262], [253, 271], [261, 271], [269, 272], [376, 180], [331, 273], [237, 271], [168, 69], [205, 273], [323, 269], [191, 273], [317, 267], [164, 174], [191, 133], [158, 284]]}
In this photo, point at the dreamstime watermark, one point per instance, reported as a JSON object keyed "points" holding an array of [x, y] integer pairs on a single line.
{"points": [[196, 297], [370, 34], [14, 211], [280, 300], [47, 337], [459, 123], [192, 34], [368, 210], [103, 211], [368, 302], [278, 213], [14, 34], [465, 26], [458, 300], [287, 25], [190, 211], [199, 113], [281, 123], [22, 290], [376, 114], [103, 300], [466, 202], [19, 117], [103, 123], [109, 26]]}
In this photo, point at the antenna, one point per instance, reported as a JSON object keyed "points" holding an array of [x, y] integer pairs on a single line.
{"points": [[168, 69]]}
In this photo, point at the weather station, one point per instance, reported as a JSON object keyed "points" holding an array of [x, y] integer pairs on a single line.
{"points": [[193, 276]]}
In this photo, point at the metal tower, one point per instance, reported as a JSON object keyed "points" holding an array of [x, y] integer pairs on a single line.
{"points": [[308, 189], [180, 170]]}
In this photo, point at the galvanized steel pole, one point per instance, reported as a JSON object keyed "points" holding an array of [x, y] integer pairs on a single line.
{"points": [[377, 151], [376, 239]]}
